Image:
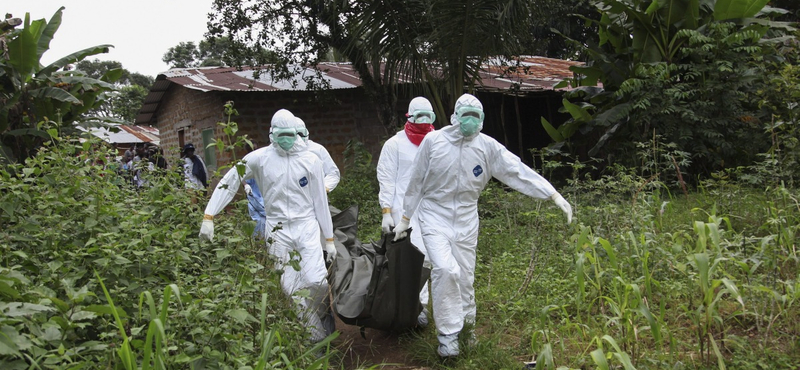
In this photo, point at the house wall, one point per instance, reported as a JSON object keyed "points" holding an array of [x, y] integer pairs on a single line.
{"points": [[333, 118], [187, 109]]}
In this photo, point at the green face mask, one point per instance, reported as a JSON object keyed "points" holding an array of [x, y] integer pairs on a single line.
{"points": [[285, 138], [469, 126], [469, 120]]}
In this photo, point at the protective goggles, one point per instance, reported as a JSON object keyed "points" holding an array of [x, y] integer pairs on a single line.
{"points": [[422, 116], [283, 131], [469, 112]]}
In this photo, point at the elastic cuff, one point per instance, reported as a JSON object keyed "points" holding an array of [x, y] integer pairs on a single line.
{"points": [[386, 210], [555, 196], [208, 217], [406, 218], [328, 239]]}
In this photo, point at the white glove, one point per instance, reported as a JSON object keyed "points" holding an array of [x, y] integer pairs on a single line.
{"points": [[388, 223], [207, 229], [564, 205], [400, 230], [330, 250], [248, 190]]}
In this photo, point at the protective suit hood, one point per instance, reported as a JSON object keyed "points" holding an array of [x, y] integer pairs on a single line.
{"points": [[420, 111], [467, 102], [284, 121]]}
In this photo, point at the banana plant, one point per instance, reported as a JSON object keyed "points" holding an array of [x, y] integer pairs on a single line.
{"points": [[632, 33], [33, 93]]}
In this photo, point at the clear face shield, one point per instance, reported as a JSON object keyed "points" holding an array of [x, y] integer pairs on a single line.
{"points": [[422, 116], [469, 119]]}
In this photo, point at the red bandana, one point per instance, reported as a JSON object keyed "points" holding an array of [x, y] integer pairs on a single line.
{"points": [[417, 131]]}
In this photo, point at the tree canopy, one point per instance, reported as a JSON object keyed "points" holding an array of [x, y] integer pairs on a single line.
{"points": [[131, 89], [441, 44]]}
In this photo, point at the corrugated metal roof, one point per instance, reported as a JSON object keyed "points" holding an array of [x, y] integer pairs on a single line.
{"points": [[126, 134], [530, 74]]}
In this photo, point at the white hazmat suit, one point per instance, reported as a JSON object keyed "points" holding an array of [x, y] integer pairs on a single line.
{"points": [[296, 206], [394, 168], [449, 173], [332, 175]]}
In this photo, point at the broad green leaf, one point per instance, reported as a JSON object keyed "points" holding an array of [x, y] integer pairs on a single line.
{"points": [[554, 134], [51, 334], [49, 32], [733, 290], [17, 340], [8, 339], [733, 9], [22, 53], [17, 309], [610, 252], [720, 359], [240, 315], [72, 58], [655, 327], [49, 92], [113, 75], [652, 8], [82, 315], [8, 290], [599, 359], [577, 113]]}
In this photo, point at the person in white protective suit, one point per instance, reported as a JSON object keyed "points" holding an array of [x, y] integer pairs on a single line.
{"points": [[329, 168], [452, 166], [296, 208], [332, 175], [394, 167]]}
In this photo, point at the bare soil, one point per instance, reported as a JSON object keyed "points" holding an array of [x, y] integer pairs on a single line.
{"points": [[379, 347]]}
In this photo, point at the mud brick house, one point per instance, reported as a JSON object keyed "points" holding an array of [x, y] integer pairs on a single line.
{"points": [[186, 105]]}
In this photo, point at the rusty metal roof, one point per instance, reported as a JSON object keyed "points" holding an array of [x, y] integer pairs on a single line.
{"points": [[524, 73]]}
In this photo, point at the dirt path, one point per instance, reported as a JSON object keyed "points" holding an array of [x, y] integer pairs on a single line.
{"points": [[378, 347]]}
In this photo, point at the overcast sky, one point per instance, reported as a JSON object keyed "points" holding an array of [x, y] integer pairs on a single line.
{"points": [[140, 30]]}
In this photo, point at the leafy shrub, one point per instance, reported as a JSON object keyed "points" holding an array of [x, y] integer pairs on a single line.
{"points": [[65, 218]]}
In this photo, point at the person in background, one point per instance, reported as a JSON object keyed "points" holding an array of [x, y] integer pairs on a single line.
{"points": [[194, 170], [156, 156], [255, 206], [394, 167], [332, 175], [451, 169]]}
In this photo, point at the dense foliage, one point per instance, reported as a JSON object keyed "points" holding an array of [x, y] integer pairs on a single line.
{"points": [[71, 227], [127, 98], [687, 71], [33, 93]]}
